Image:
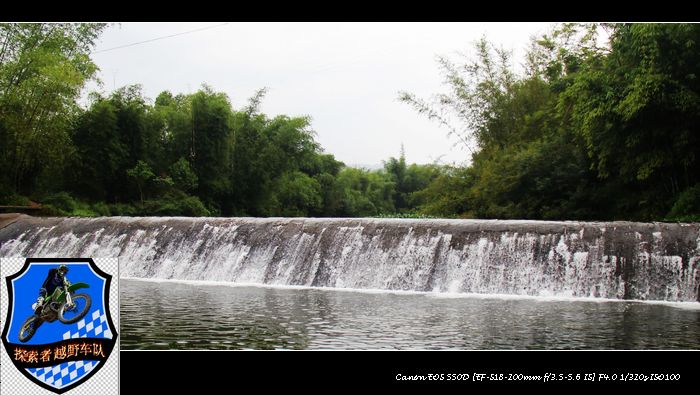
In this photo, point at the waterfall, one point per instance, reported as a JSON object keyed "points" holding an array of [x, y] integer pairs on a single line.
{"points": [[622, 260]]}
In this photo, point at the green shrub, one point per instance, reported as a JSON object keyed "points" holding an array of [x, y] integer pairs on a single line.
{"points": [[176, 204], [123, 210], [83, 212], [48, 210], [62, 201], [191, 206], [687, 206], [15, 200], [102, 209]]}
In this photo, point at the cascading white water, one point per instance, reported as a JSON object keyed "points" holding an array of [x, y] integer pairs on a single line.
{"points": [[624, 260]]}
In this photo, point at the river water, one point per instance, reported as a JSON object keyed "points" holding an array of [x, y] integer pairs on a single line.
{"points": [[175, 315]]}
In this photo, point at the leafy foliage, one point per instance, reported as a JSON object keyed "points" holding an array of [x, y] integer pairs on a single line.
{"points": [[587, 132], [43, 68]]}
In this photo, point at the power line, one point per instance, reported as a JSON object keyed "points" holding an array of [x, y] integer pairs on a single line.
{"points": [[162, 38]]}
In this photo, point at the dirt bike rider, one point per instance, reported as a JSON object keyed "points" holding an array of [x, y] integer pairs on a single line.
{"points": [[56, 278]]}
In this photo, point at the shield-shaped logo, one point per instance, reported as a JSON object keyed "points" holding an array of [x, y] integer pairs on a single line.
{"points": [[58, 330]]}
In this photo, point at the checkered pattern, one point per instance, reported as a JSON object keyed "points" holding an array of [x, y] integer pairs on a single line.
{"points": [[61, 375], [94, 325]]}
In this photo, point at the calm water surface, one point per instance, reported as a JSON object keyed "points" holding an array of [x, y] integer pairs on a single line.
{"points": [[168, 315]]}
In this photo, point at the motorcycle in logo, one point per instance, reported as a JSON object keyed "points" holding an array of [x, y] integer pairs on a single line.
{"points": [[63, 338]]}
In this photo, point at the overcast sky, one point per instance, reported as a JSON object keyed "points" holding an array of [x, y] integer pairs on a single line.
{"points": [[345, 76]]}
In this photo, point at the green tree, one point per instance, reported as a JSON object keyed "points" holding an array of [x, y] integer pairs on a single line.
{"points": [[212, 139], [525, 161], [183, 176], [110, 138], [296, 195], [637, 109], [365, 193], [475, 109], [397, 171], [43, 68], [173, 116], [100, 154], [142, 175], [447, 194], [589, 131]]}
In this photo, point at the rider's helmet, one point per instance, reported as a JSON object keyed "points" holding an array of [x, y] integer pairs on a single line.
{"points": [[62, 270]]}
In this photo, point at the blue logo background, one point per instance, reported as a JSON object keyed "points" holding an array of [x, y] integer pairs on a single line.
{"points": [[26, 292]]}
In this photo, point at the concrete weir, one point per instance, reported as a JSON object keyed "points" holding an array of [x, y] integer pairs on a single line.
{"points": [[7, 219], [620, 260]]}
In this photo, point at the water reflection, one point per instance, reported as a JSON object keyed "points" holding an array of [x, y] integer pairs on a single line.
{"points": [[181, 316]]}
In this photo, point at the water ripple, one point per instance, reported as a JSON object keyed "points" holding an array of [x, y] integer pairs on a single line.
{"points": [[182, 316]]}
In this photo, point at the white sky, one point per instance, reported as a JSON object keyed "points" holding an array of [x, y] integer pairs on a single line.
{"points": [[346, 76]]}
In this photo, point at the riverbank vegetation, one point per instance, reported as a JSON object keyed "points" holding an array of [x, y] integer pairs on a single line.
{"points": [[588, 129]]}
